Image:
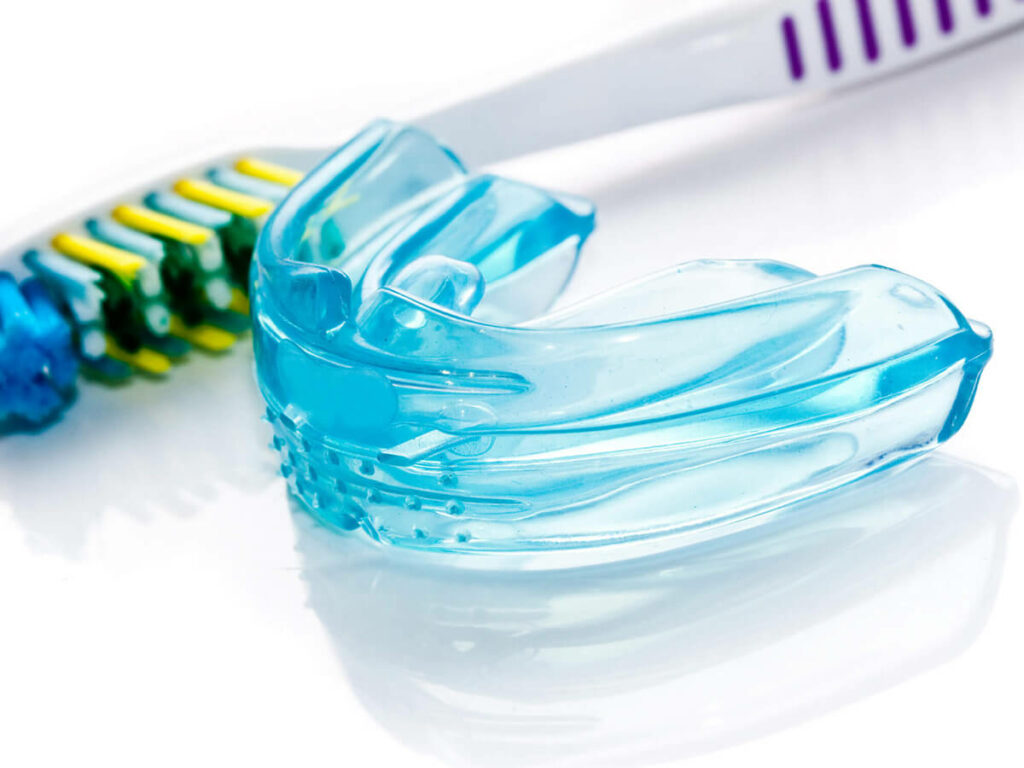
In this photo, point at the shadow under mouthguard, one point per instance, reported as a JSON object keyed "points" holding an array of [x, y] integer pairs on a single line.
{"points": [[422, 390]]}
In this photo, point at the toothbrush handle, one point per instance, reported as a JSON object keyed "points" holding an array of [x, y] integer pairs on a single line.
{"points": [[774, 49]]}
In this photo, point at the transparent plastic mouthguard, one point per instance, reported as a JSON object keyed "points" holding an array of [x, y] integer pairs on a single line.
{"points": [[422, 390]]}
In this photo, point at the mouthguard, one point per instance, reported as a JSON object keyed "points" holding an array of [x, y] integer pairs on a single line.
{"points": [[422, 390]]}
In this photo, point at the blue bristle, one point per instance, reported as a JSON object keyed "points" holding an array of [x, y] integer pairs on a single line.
{"points": [[239, 182], [172, 204], [37, 361]]}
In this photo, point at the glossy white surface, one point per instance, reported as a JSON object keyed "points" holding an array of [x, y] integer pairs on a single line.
{"points": [[161, 603]]}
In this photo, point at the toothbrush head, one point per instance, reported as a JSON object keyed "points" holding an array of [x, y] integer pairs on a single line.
{"points": [[137, 282]]}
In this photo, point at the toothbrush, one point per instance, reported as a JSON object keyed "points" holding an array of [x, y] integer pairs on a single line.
{"points": [[742, 54], [131, 284]]}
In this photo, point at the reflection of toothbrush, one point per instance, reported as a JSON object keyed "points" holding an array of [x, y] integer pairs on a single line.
{"points": [[142, 277]]}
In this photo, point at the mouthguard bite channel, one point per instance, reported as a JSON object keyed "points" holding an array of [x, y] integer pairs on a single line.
{"points": [[421, 388]]}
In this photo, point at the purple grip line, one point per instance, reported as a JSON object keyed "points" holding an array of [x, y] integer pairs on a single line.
{"points": [[907, 29], [828, 29], [793, 55], [984, 7], [945, 11], [867, 30]]}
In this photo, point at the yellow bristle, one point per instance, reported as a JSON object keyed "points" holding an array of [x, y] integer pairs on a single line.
{"points": [[261, 169], [154, 223], [239, 302], [146, 360], [227, 200], [207, 337], [124, 264]]}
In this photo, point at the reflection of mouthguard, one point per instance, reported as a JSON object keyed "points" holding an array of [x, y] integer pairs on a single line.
{"points": [[421, 390]]}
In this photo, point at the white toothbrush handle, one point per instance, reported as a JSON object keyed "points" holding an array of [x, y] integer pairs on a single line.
{"points": [[777, 48]]}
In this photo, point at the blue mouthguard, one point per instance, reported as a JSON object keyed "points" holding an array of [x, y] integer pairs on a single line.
{"points": [[422, 390]]}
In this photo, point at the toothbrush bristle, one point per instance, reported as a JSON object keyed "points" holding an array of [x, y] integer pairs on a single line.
{"points": [[135, 287], [37, 362]]}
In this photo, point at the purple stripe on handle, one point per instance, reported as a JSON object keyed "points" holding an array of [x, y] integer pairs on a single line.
{"points": [[867, 29], [945, 11], [828, 29], [907, 28], [796, 60], [984, 7]]}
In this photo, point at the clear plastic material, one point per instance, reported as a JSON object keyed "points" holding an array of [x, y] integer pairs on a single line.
{"points": [[422, 390]]}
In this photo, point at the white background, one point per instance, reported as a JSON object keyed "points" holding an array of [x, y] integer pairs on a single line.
{"points": [[161, 603]]}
